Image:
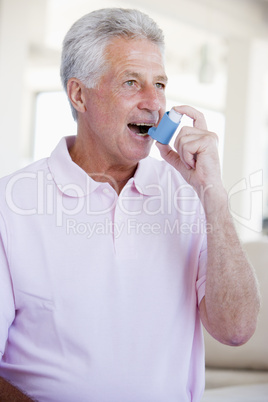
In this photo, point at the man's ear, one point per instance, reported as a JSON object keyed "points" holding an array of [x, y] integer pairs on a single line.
{"points": [[75, 91]]}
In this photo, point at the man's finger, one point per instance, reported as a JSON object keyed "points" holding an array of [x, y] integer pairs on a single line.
{"points": [[172, 157], [198, 117]]}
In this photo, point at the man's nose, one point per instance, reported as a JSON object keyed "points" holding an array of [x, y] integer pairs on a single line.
{"points": [[150, 99]]}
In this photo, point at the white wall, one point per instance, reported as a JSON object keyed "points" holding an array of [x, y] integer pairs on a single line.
{"points": [[18, 29]]}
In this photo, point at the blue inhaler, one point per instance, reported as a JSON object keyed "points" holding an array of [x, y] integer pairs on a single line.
{"points": [[167, 127]]}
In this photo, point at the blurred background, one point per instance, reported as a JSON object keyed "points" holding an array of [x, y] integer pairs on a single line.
{"points": [[216, 60]]}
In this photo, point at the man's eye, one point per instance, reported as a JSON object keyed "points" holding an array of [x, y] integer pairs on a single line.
{"points": [[130, 83], [159, 85]]}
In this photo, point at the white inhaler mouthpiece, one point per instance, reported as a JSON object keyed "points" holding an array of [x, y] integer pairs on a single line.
{"points": [[175, 116], [167, 127]]}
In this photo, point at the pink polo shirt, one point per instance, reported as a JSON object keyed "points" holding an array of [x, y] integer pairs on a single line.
{"points": [[99, 293]]}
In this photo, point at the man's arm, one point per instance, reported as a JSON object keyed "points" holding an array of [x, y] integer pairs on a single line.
{"points": [[230, 307], [231, 304], [9, 393]]}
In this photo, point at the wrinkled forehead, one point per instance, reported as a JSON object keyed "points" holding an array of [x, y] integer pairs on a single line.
{"points": [[121, 51], [124, 43]]}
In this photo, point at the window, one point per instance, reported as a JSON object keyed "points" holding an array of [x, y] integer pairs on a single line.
{"points": [[53, 120]]}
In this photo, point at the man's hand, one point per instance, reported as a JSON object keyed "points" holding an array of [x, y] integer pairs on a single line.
{"points": [[9, 393], [196, 157]]}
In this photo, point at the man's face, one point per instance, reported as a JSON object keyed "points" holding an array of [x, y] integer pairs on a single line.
{"points": [[129, 98]]}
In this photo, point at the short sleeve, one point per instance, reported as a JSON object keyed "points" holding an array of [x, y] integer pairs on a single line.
{"points": [[7, 306]]}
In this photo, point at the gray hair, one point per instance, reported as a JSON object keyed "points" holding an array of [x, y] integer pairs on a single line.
{"points": [[85, 43]]}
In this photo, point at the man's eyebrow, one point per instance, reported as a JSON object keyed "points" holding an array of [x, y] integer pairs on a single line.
{"points": [[162, 78], [129, 73]]}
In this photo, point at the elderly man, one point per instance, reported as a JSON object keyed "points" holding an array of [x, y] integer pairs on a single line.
{"points": [[109, 259]]}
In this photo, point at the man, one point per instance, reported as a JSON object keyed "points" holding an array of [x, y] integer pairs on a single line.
{"points": [[109, 261]]}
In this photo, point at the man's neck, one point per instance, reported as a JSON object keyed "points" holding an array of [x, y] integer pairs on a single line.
{"points": [[100, 170]]}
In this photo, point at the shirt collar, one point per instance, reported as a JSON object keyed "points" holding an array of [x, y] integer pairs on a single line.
{"points": [[73, 181], [146, 179], [70, 179]]}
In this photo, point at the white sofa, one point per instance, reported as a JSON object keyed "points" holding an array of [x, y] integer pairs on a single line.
{"points": [[240, 374]]}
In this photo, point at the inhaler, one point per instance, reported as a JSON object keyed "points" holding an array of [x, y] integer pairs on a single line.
{"points": [[167, 127]]}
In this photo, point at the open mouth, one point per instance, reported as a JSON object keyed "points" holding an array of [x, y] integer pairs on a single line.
{"points": [[140, 129]]}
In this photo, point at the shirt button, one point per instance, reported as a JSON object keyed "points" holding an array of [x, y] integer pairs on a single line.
{"points": [[106, 191]]}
